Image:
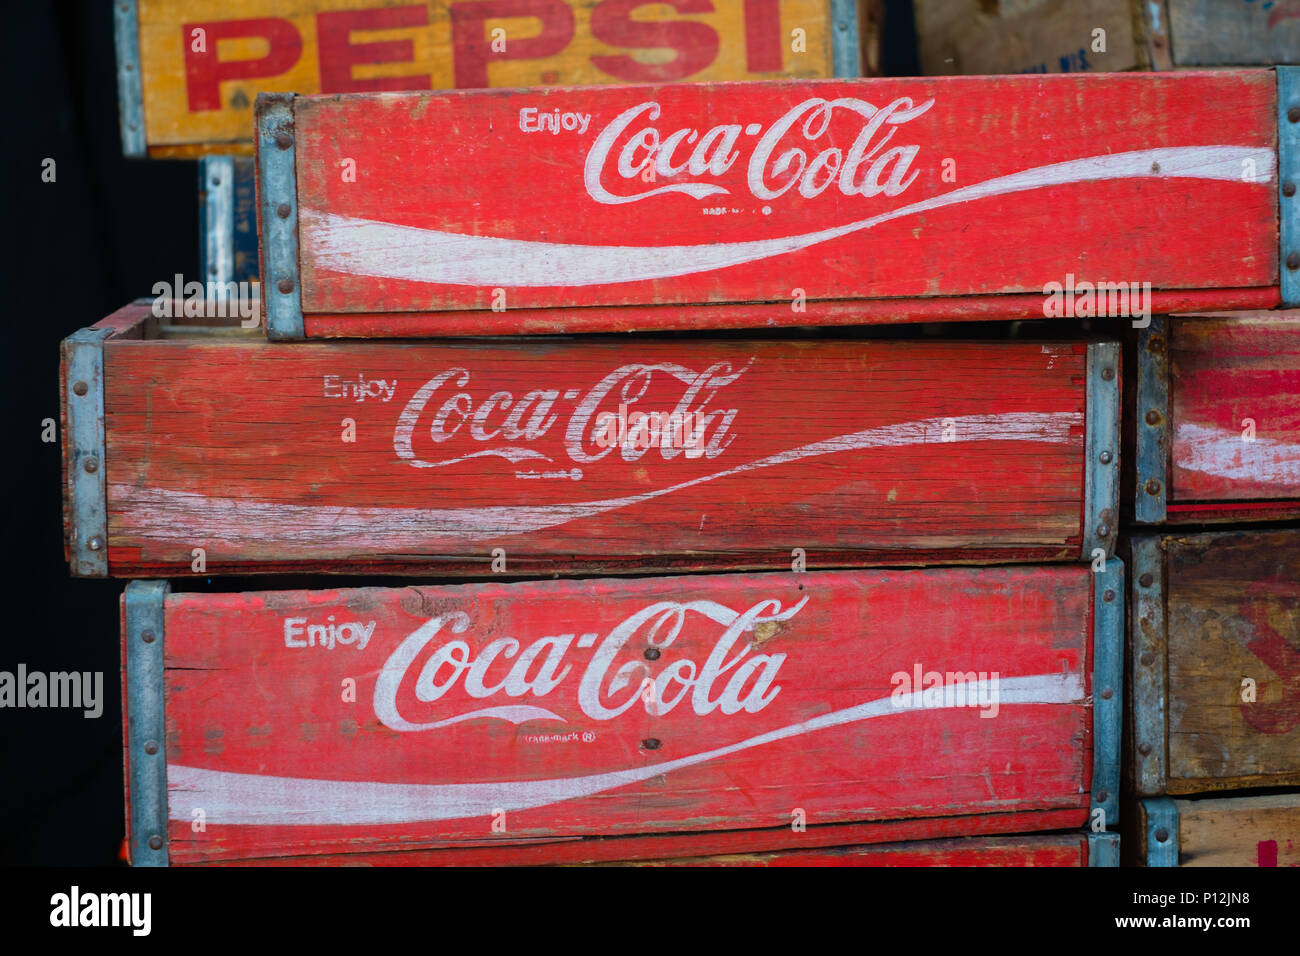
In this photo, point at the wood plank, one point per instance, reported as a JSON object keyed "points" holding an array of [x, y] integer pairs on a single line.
{"points": [[199, 88], [1235, 412], [1242, 831], [1233, 613], [607, 707], [459, 204], [239, 447], [1233, 33]]}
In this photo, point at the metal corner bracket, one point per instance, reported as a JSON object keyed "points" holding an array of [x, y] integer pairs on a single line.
{"points": [[1161, 831], [130, 85], [1151, 427], [1148, 650], [278, 214], [1103, 849], [1101, 448], [83, 403], [217, 218], [846, 50], [1107, 692], [146, 728], [1288, 176]]}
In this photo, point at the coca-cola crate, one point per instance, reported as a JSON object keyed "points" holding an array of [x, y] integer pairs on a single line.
{"points": [[206, 449], [689, 716], [1237, 831], [769, 203], [1054, 36], [1216, 416], [188, 72], [1215, 662]]}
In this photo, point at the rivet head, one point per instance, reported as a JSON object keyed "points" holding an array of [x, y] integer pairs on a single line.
{"points": [[285, 286], [1106, 458], [1153, 417], [155, 843], [652, 653], [96, 543], [1293, 261], [1103, 531], [1162, 835], [1147, 658], [650, 743], [80, 388], [1103, 796], [283, 140], [147, 635], [1293, 114], [151, 748], [1146, 580], [216, 180], [283, 210], [1108, 596], [91, 465], [1108, 375], [1107, 693], [1144, 749], [1288, 189], [1153, 487]]}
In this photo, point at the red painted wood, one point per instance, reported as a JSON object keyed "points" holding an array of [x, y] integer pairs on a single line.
{"points": [[1234, 379], [635, 318], [261, 738], [1056, 849], [858, 452], [455, 207]]}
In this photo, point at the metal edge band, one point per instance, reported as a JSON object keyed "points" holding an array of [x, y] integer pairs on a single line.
{"points": [[130, 84], [83, 398], [846, 39], [1162, 820], [1103, 849], [1101, 446], [1147, 666], [1107, 691], [277, 186], [1155, 33], [1288, 173], [217, 219], [146, 727], [1151, 470]]}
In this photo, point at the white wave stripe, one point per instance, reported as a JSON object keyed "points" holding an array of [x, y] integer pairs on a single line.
{"points": [[1222, 452], [258, 800], [167, 515], [385, 250]]}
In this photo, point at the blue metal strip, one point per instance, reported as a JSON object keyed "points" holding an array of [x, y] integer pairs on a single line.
{"points": [[846, 42], [244, 219], [217, 219], [146, 745], [1107, 692], [1103, 849], [1288, 177], [1161, 832], [130, 86], [1147, 645], [1101, 446], [1151, 428], [278, 212], [83, 403]]}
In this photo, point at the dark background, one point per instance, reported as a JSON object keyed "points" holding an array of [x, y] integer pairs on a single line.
{"points": [[75, 250]]}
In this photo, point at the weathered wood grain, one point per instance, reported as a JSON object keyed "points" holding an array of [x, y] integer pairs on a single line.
{"points": [[1233, 32], [856, 452], [1236, 831], [199, 89], [497, 713], [1235, 416], [424, 203]]}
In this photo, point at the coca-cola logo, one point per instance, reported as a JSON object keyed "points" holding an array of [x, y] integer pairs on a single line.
{"points": [[633, 150], [450, 412], [434, 670]]}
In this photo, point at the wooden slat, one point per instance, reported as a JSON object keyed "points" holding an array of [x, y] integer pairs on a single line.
{"points": [[1233, 33], [795, 713], [199, 89], [1235, 412], [856, 452], [1233, 614], [1245, 831], [459, 204]]}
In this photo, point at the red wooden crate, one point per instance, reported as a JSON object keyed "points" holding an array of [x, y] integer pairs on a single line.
{"points": [[192, 451], [766, 203], [688, 716], [1217, 418]]}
